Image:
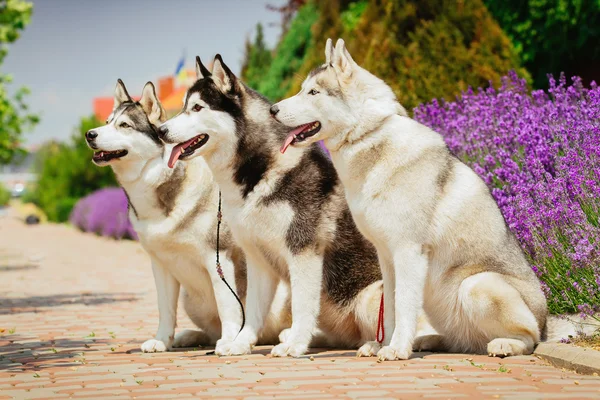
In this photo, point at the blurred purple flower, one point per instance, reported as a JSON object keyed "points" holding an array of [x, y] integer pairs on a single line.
{"points": [[322, 145], [104, 212], [539, 153]]}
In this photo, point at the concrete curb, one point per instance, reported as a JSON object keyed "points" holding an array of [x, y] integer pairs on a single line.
{"points": [[579, 359]]}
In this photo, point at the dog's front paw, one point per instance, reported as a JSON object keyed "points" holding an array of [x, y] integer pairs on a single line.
{"points": [[285, 335], [289, 349], [389, 353], [232, 348], [368, 349], [154, 346]]}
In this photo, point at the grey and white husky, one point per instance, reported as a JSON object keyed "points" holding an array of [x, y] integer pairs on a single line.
{"points": [[441, 239], [174, 212], [288, 214]]}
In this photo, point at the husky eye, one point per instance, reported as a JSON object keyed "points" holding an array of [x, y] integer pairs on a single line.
{"points": [[313, 92], [124, 125], [197, 107]]}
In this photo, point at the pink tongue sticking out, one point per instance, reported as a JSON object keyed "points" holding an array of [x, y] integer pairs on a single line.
{"points": [[177, 150], [291, 136]]}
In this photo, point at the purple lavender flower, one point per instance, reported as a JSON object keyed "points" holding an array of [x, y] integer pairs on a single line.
{"points": [[104, 212], [539, 153], [322, 145]]}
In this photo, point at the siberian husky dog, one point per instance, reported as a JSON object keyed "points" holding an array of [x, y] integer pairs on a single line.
{"points": [[174, 212], [441, 239], [288, 214]]}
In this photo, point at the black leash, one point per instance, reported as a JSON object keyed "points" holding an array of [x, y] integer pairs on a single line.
{"points": [[220, 271]]}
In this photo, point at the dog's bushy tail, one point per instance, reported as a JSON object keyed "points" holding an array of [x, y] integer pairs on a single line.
{"points": [[563, 326]]}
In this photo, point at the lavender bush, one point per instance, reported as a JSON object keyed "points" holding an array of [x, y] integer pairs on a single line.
{"points": [[105, 213], [539, 154]]}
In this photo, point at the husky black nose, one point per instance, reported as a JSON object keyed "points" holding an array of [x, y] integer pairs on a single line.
{"points": [[274, 110], [162, 131], [91, 135]]}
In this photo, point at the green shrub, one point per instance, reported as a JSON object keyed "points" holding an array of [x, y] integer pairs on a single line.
{"points": [[553, 36], [423, 49], [351, 16], [257, 59], [4, 195], [66, 173], [275, 82]]}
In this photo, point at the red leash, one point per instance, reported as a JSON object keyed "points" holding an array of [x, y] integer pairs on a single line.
{"points": [[380, 327]]}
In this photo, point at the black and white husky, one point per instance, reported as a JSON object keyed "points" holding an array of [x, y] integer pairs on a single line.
{"points": [[288, 214], [174, 212]]}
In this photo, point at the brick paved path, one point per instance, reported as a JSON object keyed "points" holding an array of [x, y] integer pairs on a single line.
{"points": [[74, 309]]}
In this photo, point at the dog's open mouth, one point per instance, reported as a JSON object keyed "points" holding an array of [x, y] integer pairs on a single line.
{"points": [[300, 134], [186, 149], [106, 156]]}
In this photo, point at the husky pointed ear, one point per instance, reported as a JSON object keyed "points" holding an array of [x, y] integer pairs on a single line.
{"points": [[328, 51], [201, 71], [121, 95], [342, 60], [151, 105], [222, 75]]}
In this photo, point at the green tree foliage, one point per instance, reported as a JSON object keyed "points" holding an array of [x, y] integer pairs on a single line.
{"points": [[257, 59], [66, 174], [290, 53], [4, 195], [14, 115], [351, 16], [553, 36], [423, 49]]}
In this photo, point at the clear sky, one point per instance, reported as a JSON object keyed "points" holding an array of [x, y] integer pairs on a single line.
{"points": [[74, 50]]}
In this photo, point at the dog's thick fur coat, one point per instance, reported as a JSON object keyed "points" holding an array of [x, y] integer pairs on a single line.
{"points": [[174, 212], [288, 214], [440, 237]]}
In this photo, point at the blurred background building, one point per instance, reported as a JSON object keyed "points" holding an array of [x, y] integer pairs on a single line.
{"points": [[170, 90]]}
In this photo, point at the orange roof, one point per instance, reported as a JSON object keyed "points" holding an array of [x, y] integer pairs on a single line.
{"points": [[103, 106], [171, 98], [174, 101]]}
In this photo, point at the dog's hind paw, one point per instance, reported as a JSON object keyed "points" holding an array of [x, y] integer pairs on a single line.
{"points": [[389, 353], [502, 347], [232, 348], [154, 346], [368, 349], [429, 343], [289, 349], [191, 338]]}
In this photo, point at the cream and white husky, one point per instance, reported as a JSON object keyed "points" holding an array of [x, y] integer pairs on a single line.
{"points": [[441, 239], [174, 212]]}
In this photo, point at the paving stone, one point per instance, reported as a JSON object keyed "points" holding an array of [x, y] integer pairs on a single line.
{"points": [[90, 284]]}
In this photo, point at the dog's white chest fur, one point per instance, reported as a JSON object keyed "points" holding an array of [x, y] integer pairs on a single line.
{"points": [[180, 239], [259, 226]]}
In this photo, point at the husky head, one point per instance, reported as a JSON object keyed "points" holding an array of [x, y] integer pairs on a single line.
{"points": [[338, 100], [209, 116], [131, 130]]}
